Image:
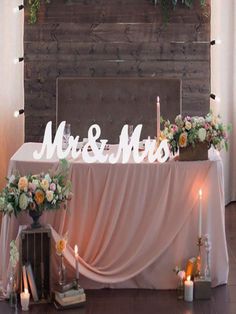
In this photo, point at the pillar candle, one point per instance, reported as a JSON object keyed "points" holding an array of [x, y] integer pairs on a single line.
{"points": [[158, 119], [200, 214], [76, 262], [188, 290], [24, 298]]}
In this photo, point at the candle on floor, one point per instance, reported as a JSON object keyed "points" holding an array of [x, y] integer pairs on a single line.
{"points": [[24, 298], [188, 290], [76, 262], [200, 214], [158, 119]]}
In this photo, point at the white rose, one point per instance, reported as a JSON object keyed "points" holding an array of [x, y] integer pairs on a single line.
{"points": [[36, 183], [188, 125], [49, 195], [202, 134], [181, 274]]}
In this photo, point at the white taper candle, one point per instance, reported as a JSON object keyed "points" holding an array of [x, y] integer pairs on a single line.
{"points": [[200, 214], [76, 262], [158, 119]]}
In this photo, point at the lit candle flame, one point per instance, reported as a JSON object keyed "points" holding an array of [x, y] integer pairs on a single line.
{"points": [[158, 99], [26, 291], [76, 250], [200, 193], [188, 278]]}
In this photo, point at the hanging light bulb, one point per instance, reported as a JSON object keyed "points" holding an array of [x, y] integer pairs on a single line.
{"points": [[215, 42], [18, 112], [215, 97], [18, 60], [18, 8]]}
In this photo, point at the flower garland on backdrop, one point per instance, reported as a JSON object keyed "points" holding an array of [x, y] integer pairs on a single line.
{"points": [[169, 5], [165, 5], [188, 131], [36, 192]]}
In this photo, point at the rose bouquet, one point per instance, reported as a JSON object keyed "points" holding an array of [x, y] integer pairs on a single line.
{"points": [[36, 192], [192, 130]]}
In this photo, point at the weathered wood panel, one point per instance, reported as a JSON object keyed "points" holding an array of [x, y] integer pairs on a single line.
{"points": [[86, 38]]}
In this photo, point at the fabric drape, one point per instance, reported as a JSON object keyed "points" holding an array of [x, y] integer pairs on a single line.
{"points": [[133, 223], [11, 82]]}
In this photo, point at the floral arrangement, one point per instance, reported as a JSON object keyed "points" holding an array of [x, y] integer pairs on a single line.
{"points": [[14, 254], [192, 130], [36, 192], [180, 273]]}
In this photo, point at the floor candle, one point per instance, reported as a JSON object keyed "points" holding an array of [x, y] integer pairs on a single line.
{"points": [[24, 298], [188, 290]]}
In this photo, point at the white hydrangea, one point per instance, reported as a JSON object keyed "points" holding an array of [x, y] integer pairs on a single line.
{"points": [[23, 201], [202, 134]]}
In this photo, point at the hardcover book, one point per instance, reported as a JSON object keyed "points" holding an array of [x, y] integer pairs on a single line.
{"points": [[32, 282]]}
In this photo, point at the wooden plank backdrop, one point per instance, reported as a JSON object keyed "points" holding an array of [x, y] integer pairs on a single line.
{"points": [[126, 38]]}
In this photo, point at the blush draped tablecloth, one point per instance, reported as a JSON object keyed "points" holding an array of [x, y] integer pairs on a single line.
{"points": [[133, 223]]}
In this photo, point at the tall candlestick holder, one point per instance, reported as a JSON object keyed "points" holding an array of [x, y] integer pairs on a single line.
{"points": [[199, 257]]}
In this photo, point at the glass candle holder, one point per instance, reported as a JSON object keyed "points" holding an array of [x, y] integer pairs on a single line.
{"points": [[24, 299]]}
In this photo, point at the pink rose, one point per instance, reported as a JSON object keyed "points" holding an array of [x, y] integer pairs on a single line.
{"points": [[32, 186], [207, 126], [53, 187]]}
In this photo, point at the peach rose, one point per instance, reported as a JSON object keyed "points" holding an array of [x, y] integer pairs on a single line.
{"points": [[183, 139], [39, 197], [44, 184], [23, 183], [60, 246]]}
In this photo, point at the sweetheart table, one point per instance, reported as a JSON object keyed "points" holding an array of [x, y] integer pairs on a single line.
{"points": [[133, 223]]}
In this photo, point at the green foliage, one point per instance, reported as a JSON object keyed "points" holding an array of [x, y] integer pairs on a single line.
{"points": [[168, 5], [34, 6]]}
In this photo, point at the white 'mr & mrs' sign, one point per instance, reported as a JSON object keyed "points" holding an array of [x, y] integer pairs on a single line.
{"points": [[91, 153]]}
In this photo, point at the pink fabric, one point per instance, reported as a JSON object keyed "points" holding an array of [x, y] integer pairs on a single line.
{"points": [[133, 223]]}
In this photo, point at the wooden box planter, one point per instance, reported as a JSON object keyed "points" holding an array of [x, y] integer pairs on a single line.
{"points": [[190, 153], [35, 248]]}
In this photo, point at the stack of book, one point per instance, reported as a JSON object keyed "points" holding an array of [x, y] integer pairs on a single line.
{"points": [[71, 298]]}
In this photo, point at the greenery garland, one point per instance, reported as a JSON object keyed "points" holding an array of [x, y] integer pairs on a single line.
{"points": [[34, 6], [168, 5]]}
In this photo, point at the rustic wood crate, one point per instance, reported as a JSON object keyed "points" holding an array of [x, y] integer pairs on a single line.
{"points": [[190, 153], [35, 248]]}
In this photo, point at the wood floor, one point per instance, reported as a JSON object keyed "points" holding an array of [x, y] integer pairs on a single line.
{"points": [[223, 299]]}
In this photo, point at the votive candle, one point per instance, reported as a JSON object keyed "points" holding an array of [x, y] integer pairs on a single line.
{"points": [[24, 298]]}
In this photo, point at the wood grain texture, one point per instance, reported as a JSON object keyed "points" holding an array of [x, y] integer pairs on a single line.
{"points": [[113, 38]]}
